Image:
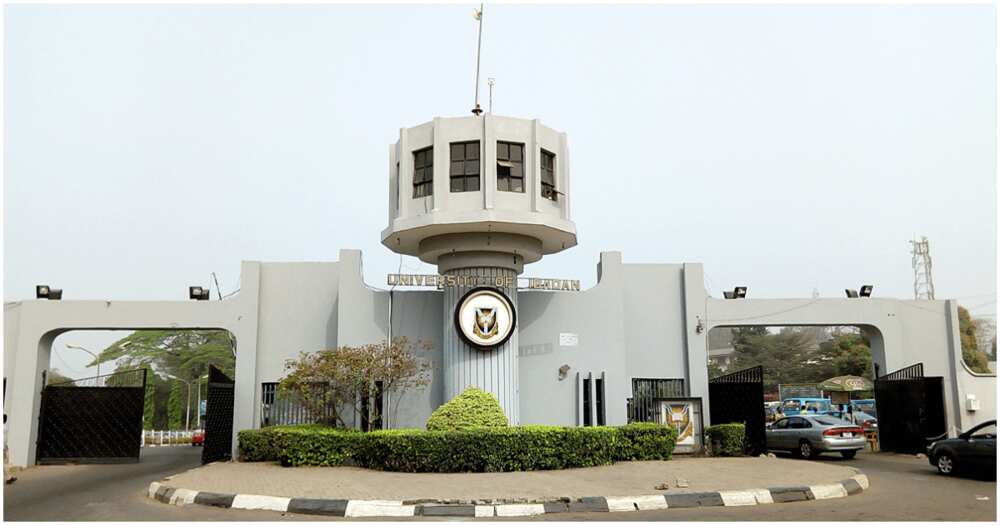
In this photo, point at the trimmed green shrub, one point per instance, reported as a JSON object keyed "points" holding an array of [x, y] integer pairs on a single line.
{"points": [[728, 439], [506, 449], [473, 408], [646, 441]]}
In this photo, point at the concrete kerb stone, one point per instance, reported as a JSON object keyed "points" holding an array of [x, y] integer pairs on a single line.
{"points": [[510, 507]]}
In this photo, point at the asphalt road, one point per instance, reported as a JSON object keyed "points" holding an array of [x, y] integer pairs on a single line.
{"points": [[902, 488]]}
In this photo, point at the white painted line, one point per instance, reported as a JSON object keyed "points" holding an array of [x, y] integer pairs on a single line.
{"points": [[737, 498], [650, 502], [378, 508], [862, 480], [835, 490], [484, 511], [763, 496], [520, 510], [620, 504], [183, 497], [255, 502], [153, 487]]}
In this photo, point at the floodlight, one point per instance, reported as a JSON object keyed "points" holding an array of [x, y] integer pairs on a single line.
{"points": [[729, 295], [851, 294], [740, 292], [866, 290], [44, 291], [198, 293]]}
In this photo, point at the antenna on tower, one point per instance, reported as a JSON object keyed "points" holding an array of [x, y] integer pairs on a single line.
{"points": [[479, 50], [492, 82], [923, 283]]}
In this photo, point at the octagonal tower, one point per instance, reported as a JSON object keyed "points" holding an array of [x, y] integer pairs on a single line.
{"points": [[480, 197]]}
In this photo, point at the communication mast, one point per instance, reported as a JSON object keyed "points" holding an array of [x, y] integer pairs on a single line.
{"points": [[923, 283]]}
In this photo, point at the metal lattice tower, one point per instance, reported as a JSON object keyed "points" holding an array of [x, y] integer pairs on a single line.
{"points": [[923, 283]]}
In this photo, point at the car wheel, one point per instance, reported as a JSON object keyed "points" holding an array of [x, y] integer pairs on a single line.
{"points": [[945, 464], [805, 450], [848, 454]]}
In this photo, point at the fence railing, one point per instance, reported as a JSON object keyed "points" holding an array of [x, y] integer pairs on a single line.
{"points": [[163, 438]]}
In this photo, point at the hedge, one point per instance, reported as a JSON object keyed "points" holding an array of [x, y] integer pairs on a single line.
{"points": [[727, 439], [473, 408], [532, 447]]}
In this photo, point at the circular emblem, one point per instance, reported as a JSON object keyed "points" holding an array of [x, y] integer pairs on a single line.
{"points": [[485, 318]]}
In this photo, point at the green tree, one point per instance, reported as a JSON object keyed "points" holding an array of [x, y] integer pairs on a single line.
{"points": [[328, 380], [974, 358], [175, 407], [847, 354]]}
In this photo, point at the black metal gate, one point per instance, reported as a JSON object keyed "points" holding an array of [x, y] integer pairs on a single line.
{"points": [[92, 420], [738, 397], [910, 410], [218, 444]]}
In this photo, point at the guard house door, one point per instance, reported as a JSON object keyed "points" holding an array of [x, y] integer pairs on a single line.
{"points": [[92, 420], [910, 410], [218, 444], [738, 397]]}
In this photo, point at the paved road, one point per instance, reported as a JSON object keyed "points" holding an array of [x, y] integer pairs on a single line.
{"points": [[903, 488]]}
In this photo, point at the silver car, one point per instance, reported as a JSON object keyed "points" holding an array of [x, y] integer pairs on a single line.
{"points": [[809, 435]]}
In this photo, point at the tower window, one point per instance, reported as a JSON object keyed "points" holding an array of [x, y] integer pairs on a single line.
{"points": [[423, 172], [549, 175], [464, 171], [510, 167]]}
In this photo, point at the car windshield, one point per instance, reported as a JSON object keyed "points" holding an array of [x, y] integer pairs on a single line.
{"points": [[828, 421], [989, 431]]}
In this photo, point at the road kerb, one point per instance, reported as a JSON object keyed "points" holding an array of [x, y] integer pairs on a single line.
{"points": [[159, 491]]}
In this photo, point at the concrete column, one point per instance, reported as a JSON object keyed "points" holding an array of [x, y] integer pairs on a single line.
{"points": [[494, 370]]}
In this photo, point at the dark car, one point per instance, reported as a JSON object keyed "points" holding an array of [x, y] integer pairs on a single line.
{"points": [[972, 450]]}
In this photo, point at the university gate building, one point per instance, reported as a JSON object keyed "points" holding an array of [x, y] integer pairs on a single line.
{"points": [[482, 198]]}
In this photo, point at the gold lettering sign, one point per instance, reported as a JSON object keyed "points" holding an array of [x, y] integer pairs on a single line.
{"points": [[450, 281]]}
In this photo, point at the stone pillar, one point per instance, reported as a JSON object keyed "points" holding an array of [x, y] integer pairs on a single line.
{"points": [[493, 370]]}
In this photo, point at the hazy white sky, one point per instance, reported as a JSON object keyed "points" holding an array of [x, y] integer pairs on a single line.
{"points": [[787, 148]]}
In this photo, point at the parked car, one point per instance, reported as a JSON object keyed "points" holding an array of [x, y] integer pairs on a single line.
{"points": [[864, 405], [811, 405], [866, 420], [198, 438], [972, 450], [809, 435]]}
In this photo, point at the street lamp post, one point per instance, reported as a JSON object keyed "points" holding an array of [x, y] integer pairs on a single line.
{"points": [[78, 347], [187, 418]]}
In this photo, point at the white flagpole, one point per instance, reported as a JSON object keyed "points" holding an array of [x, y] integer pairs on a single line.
{"points": [[479, 49]]}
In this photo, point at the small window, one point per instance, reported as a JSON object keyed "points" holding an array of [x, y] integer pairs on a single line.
{"points": [[464, 170], [587, 421], [397, 186], [599, 403], [423, 172], [549, 175], [510, 167]]}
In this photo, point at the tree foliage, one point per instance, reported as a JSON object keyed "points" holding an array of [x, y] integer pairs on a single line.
{"points": [[170, 353], [974, 358], [801, 354], [333, 380], [175, 406]]}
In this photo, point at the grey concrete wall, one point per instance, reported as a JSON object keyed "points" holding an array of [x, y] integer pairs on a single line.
{"points": [[596, 317]]}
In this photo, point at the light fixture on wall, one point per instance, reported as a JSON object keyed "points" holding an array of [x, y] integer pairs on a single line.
{"points": [[740, 292], [563, 370], [700, 327], [198, 293], [44, 291]]}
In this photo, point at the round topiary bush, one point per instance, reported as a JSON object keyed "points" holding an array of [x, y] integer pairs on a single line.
{"points": [[473, 408]]}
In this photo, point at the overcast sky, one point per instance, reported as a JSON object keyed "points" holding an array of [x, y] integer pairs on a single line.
{"points": [[787, 148]]}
